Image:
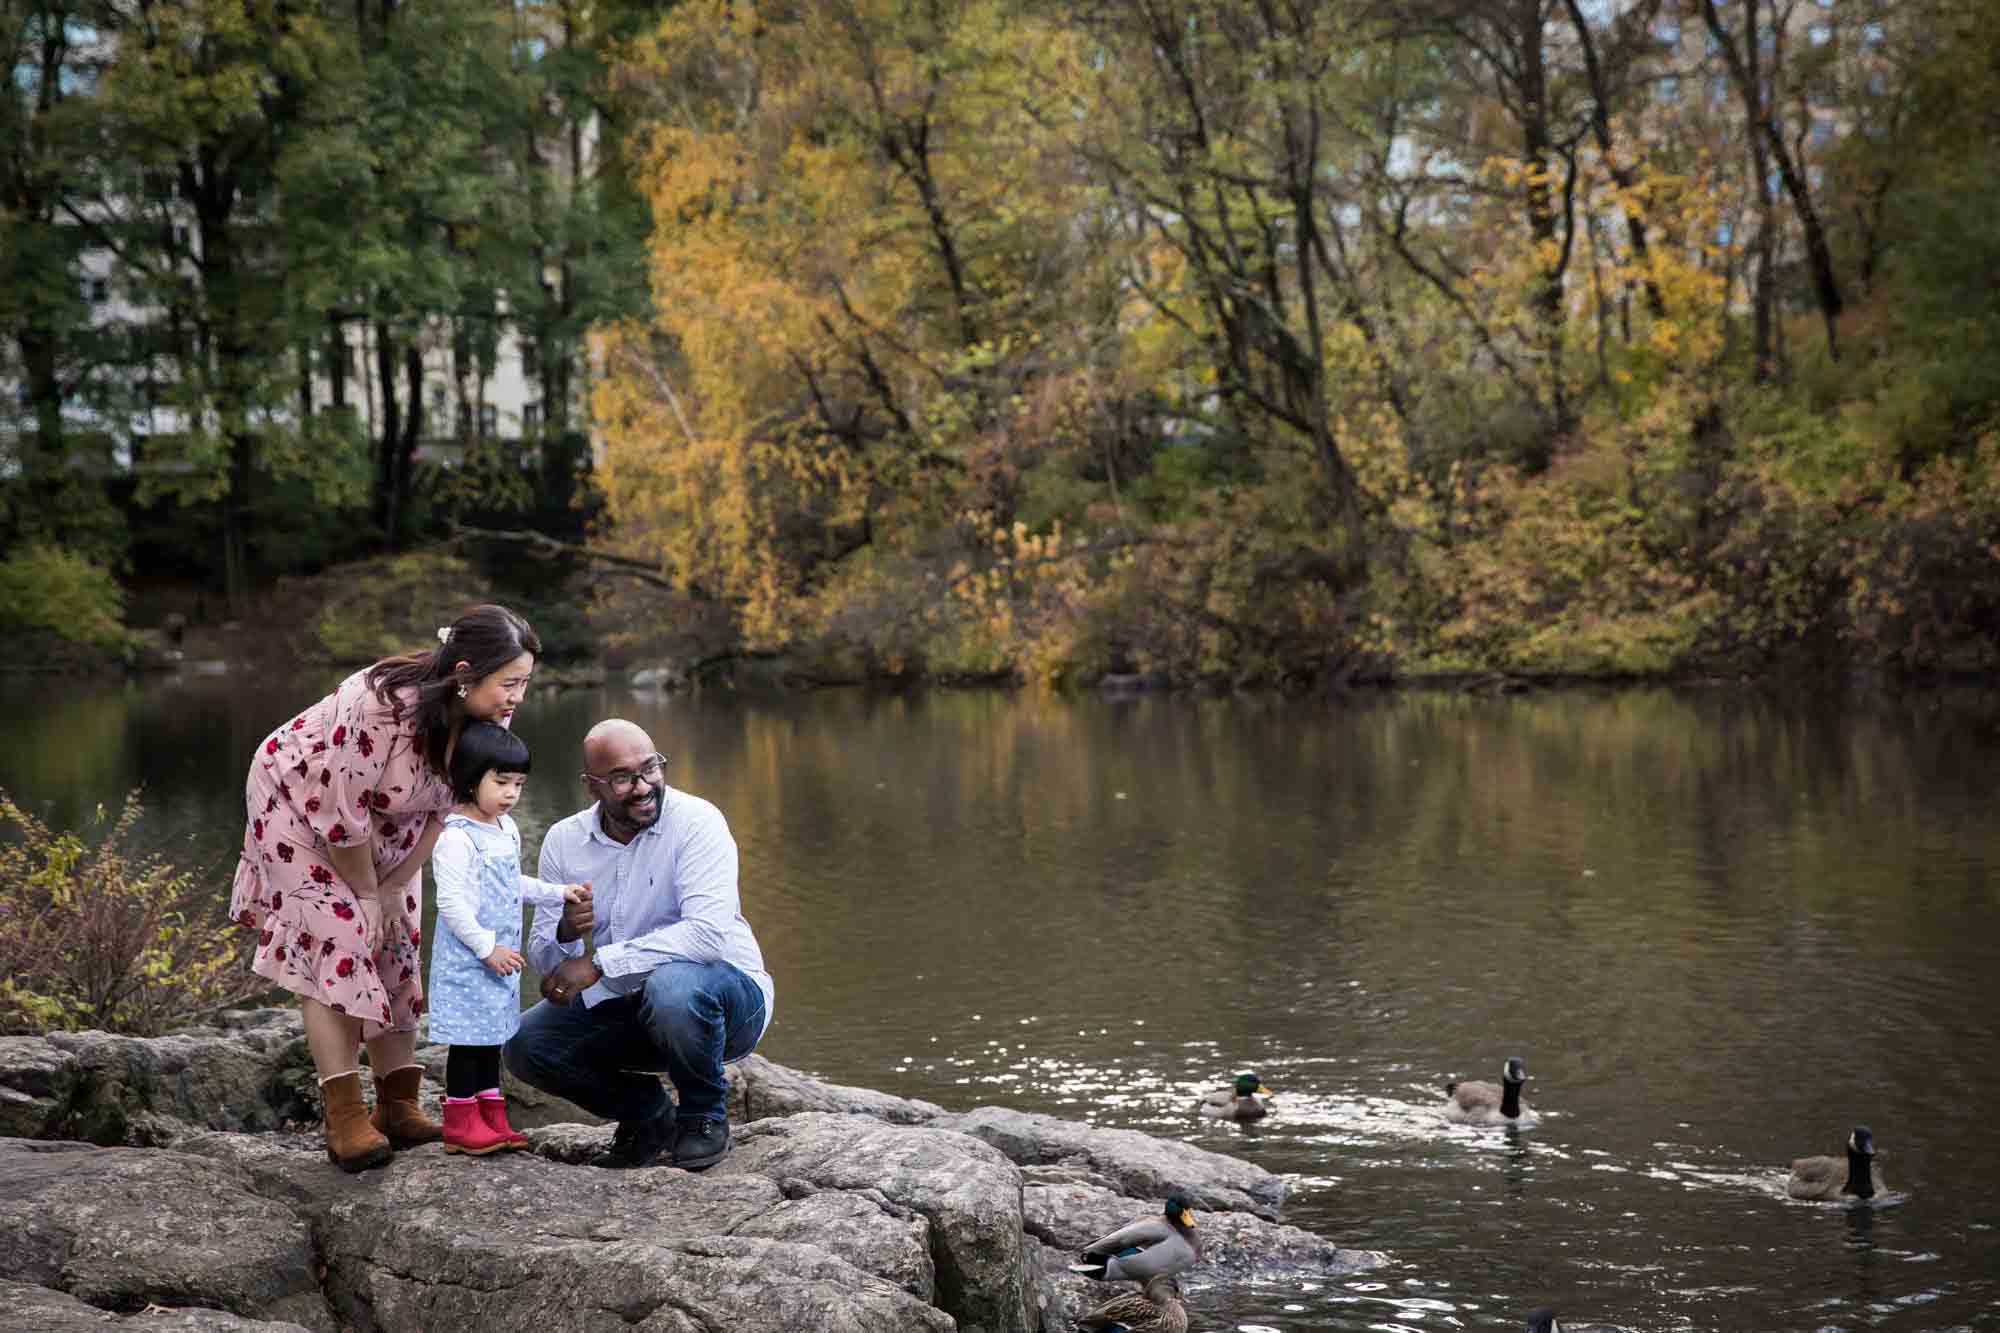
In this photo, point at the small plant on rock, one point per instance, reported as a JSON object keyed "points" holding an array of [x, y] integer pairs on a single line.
{"points": [[93, 935]]}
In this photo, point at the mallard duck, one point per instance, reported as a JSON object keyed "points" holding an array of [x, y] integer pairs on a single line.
{"points": [[1157, 1309], [1831, 1178], [1150, 1247], [1479, 1103], [1238, 1103]]}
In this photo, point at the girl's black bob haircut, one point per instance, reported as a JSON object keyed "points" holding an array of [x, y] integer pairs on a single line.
{"points": [[484, 748]]}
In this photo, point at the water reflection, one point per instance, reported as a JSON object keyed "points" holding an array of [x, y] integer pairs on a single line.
{"points": [[1717, 927]]}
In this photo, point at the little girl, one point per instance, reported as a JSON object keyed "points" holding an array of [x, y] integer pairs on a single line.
{"points": [[475, 1002]]}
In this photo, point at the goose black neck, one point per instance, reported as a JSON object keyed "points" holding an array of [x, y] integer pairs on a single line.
{"points": [[1860, 1176], [1510, 1098]]}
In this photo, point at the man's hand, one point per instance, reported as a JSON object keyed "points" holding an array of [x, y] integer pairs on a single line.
{"points": [[572, 977], [577, 917]]}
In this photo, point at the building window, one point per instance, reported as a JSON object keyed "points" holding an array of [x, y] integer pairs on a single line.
{"points": [[1872, 32], [1819, 34], [1723, 233], [1667, 89], [531, 419], [531, 359], [96, 290], [1822, 132], [1669, 33], [489, 421]]}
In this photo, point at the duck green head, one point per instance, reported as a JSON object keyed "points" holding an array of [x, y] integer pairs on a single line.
{"points": [[1248, 1084], [1178, 1210]]}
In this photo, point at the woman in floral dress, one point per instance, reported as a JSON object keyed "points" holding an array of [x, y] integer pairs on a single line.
{"points": [[345, 802]]}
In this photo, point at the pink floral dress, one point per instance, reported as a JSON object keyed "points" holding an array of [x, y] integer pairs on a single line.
{"points": [[348, 770]]}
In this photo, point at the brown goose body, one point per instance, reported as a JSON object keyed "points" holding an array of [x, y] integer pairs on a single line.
{"points": [[1832, 1179], [1157, 1309], [1477, 1102]]}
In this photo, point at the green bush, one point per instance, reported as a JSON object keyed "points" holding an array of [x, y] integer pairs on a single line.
{"points": [[94, 936], [44, 588]]}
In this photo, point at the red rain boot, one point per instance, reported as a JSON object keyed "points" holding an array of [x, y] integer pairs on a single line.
{"points": [[493, 1110], [466, 1131]]}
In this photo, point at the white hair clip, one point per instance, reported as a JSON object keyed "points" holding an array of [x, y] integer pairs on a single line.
{"points": [[444, 634]]}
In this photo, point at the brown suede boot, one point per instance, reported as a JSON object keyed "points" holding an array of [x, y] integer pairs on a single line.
{"points": [[398, 1114], [351, 1142]]}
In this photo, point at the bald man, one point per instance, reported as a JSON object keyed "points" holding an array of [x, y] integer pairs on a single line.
{"points": [[672, 981]]}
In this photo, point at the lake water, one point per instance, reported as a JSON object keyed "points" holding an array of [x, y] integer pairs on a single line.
{"points": [[1720, 928]]}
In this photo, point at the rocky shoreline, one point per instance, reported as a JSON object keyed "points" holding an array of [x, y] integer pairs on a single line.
{"points": [[177, 1182]]}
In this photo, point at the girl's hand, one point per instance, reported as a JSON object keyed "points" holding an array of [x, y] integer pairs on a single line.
{"points": [[503, 961], [576, 893]]}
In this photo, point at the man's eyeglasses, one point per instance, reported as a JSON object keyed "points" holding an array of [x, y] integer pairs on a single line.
{"points": [[620, 781]]}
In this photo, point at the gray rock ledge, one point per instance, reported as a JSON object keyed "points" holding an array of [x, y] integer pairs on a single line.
{"points": [[178, 1183]]}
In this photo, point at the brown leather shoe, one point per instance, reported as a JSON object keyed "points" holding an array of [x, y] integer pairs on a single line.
{"points": [[398, 1115], [352, 1144]]}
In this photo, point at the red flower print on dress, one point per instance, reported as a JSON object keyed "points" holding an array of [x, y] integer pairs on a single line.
{"points": [[364, 743], [409, 840], [387, 1017], [285, 852], [337, 834], [345, 967], [270, 804], [312, 805], [304, 941], [301, 769], [271, 746], [326, 777], [284, 791], [410, 902], [340, 735], [344, 910], [388, 830], [246, 918], [321, 875], [257, 827], [325, 948], [404, 979], [277, 901], [368, 963], [298, 724], [263, 939], [416, 939], [279, 953]]}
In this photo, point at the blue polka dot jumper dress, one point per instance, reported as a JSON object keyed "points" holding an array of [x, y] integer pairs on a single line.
{"points": [[476, 872]]}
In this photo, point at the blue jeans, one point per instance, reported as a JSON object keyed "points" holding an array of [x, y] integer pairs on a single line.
{"points": [[687, 1022]]}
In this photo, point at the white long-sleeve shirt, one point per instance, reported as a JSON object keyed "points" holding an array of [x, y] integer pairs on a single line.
{"points": [[669, 894], [455, 876]]}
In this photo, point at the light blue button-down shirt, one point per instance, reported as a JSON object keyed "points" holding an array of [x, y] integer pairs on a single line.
{"points": [[669, 894]]}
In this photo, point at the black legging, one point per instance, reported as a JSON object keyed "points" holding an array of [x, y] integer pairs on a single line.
{"points": [[471, 1069]]}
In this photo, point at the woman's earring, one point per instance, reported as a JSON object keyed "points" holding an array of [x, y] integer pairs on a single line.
{"points": [[461, 691]]}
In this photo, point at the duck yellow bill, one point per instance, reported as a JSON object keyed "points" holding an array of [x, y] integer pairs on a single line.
{"points": [[1187, 1218]]}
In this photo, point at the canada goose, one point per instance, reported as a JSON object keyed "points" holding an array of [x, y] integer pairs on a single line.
{"points": [[1237, 1103], [1479, 1103], [1161, 1245], [1831, 1178], [1157, 1309]]}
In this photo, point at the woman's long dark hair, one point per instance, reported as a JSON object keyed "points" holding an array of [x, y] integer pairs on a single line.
{"points": [[485, 638]]}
